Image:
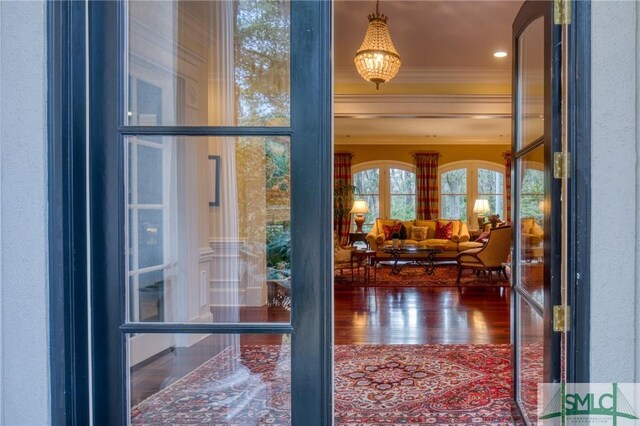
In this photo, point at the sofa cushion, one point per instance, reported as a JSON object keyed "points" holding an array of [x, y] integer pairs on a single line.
{"points": [[430, 224], [381, 222], [455, 223], [420, 233], [408, 225], [389, 230], [443, 244], [444, 230], [469, 245]]}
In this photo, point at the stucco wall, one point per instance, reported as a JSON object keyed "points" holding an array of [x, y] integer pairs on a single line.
{"points": [[614, 191], [24, 355]]}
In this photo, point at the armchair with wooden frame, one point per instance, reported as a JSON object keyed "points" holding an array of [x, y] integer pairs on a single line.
{"points": [[343, 257], [491, 257]]}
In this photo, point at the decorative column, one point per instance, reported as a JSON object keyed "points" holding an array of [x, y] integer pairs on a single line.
{"points": [[427, 196]]}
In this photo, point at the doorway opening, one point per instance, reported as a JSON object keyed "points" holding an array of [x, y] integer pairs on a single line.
{"points": [[422, 288]]}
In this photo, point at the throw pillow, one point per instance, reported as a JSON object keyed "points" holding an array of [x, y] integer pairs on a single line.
{"points": [[419, 233], [444, 232], [390, 230]]}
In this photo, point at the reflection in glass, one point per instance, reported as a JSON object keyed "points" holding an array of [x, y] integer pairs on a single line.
{"points": [[209, 379], [199, 63], [453, 189], [193, 260], [531, 83], [530, 359], [532, 226], [368, 183]]}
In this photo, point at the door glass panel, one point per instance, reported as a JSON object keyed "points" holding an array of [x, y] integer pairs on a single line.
{"points": [[531, 83], [530, 358], [208, 229], [403, 194], [368, 184], [200, 63], [209, 379], [532, 226]]}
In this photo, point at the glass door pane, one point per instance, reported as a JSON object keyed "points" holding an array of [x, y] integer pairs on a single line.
{"points": [[536, 197], [208, 63], [208, 229], [531, 83], [212, 379]]}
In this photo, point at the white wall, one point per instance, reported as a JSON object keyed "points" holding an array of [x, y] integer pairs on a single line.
{"points": [[615, 194], [24, 347]]}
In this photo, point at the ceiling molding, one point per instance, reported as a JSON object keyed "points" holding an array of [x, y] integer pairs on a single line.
{"points": [[434, 75], [422, 98], [422, 106], [442, 115], [415, 140]]}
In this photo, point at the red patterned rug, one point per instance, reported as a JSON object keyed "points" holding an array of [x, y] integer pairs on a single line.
{"points": [[374, 385], [414, 276]]}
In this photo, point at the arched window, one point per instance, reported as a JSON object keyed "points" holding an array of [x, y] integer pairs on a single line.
{"points": [[463, 182], [389, 189]]}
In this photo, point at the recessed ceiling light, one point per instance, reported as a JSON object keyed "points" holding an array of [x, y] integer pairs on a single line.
{"points": [[500, 54]]}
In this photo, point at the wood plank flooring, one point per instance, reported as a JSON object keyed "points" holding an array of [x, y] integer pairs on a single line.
{"points": [[363, 315], [420, 315]]}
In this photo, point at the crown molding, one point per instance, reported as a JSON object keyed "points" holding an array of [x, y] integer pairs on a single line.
{"points": [[422, 106], [434, 76], [419, 140]]}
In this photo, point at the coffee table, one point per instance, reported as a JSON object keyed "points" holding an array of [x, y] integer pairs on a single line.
{"points": [[423, 256]]}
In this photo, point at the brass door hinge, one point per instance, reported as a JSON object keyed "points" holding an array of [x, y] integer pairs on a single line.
{"points": [[560, 165], [562, 12], [561, 320]]}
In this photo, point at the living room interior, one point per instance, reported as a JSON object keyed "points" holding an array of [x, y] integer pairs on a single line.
{"points": [[211, 215]]}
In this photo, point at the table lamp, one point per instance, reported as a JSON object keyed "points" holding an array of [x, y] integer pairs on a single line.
{"points": [[359, 207], [481, 207]]}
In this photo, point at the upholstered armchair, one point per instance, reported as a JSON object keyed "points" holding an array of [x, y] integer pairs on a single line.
{"points": [[491, 257], [343, 257]]}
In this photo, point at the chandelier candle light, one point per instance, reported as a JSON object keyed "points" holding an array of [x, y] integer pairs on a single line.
{"points": [[481, 207], [359, 207], [377, 60]]}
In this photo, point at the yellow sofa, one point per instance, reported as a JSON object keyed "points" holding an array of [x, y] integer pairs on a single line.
{"points": [[416, 228]]}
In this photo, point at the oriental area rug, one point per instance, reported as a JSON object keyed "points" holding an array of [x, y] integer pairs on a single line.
{"points": [[374, 385], [414, 276]]}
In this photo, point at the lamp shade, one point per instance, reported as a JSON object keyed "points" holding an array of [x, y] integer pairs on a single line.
{"points": [[377, 60], [481, 207], [360, 206]]}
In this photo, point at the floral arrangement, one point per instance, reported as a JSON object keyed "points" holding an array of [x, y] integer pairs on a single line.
{"points": [[494, 219]]}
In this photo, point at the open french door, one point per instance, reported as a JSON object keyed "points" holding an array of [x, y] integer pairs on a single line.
{"points": [[210, 212], [537, 208]]}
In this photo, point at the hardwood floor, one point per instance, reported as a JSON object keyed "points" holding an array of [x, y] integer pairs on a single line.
{"points": [[419, 315], [363, 315]]}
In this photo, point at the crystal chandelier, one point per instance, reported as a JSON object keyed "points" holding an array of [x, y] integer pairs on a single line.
{"points": [[377, 60]]}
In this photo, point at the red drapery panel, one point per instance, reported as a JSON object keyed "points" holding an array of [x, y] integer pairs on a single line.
{"points": [[342, 189], [507, 183], [427, 185]]}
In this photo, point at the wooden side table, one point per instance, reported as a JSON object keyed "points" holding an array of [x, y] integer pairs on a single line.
{"points": [[358, 236]]}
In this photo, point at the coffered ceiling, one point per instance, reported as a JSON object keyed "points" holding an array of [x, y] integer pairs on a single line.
{"points": [[450, 88]]}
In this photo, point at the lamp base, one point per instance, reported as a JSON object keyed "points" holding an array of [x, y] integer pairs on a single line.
{"points": [[481, 223], [359, 219]]}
